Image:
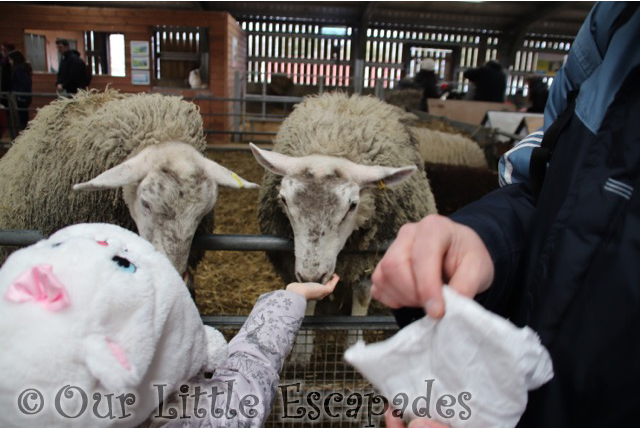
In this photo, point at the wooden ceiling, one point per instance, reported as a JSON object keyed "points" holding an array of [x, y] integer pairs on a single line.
{"points": [[553, 18]]}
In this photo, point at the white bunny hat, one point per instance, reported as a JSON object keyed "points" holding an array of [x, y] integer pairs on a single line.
{"points": [[95, 309]]}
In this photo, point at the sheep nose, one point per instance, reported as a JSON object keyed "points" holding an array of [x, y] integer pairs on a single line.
{"points": [[321, 278]]}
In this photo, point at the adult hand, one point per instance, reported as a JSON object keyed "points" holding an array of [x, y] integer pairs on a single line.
{"points": [[313, 290], [423, 257], [393, 422]]}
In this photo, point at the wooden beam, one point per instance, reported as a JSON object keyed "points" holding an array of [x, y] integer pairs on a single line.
{"points": [[360, 44], [513, 35]]}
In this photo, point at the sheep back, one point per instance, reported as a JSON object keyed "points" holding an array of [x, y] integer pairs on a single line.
{"points": [[364, 130], [453, 149], [73, 140]]}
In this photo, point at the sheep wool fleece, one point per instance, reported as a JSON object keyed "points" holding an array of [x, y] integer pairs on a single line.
{"points": [[364, 130], [73, 140]]}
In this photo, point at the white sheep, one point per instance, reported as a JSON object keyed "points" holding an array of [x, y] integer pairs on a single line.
{"points": [[195, 81], [168, 188], [446, 148], [341, 172], [150, 145]]}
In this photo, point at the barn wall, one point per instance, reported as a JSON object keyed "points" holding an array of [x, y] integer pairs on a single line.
{"points": [[135, 24]]}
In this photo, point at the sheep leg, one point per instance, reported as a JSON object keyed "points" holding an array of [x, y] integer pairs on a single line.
{"points": [[359, 307], [303, 348]]}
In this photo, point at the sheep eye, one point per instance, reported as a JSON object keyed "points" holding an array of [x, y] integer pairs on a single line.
{"points": [[283, 200], [353, 206], [124, 264]]}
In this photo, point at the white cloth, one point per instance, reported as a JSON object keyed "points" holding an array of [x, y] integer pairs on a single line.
{"points": [[482, 361]]}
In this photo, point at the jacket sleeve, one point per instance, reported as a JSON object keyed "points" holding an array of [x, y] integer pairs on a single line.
{"points": [[247, 383], [501, 219], [472, 74], [63, 73]]}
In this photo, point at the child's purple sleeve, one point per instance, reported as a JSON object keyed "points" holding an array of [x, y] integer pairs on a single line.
{"points": [[245, 387]]}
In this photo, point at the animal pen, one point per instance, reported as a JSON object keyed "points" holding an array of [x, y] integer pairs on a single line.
{"points": [[285, 61]]}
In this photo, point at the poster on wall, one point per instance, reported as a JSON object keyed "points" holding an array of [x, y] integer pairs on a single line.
{"points": [[549, 63], [139, 48], [140, 77], [140, 63]]}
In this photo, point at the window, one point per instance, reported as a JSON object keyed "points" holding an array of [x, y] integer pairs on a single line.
{"points": [[334, 31], [105, 53], [177, 51], [36, 51]]}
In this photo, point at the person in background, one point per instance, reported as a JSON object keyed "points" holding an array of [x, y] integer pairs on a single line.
{"points": [[518, 100], [557, 247], [490, 82], [72, 69], [426, 80], [538, 94], [5, 81], [21, 83], [5, 70]]}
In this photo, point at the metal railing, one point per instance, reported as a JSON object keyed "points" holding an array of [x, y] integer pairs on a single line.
{"points": [[315, 366], [221, 242]]}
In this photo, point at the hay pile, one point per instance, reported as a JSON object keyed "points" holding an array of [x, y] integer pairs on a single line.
{"points": [[229, 282]]}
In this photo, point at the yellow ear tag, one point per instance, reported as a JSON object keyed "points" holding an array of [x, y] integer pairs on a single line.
{"points": [[235, 177], [381, 185]]}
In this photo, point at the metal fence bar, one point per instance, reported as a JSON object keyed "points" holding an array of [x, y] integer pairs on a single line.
{"points": [[334, 322], [19, 238], [207, 242]]}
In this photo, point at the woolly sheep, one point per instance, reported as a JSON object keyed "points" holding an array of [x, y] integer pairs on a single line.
{"points": [[333, 163], [168, 185], [195, 81], [447, 148], [407, 98]]}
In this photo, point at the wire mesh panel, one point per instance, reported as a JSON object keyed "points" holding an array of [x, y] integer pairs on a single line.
{"points": [[318, 388]]}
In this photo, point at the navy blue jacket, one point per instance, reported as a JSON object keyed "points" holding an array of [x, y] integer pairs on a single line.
{"points": [[567, 262]]}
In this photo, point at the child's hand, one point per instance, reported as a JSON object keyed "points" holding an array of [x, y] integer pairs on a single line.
{"points": [[313, 290]]}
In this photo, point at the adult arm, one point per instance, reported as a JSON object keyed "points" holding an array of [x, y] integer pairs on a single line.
{"points": [[475, 251]]}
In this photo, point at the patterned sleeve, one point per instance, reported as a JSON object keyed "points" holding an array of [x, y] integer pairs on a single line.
{"points": [[245, 387]]}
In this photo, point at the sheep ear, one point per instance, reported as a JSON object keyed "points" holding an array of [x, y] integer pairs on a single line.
{"points": [[276, 163], [225, 177], [131, 171], [370, 176]]}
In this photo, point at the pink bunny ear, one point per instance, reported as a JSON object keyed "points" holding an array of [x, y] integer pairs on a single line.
{"points": [[110, 363], [119, 354], [39, 284]]}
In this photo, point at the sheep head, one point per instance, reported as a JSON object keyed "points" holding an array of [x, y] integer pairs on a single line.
{"points": [[168, 188], [324, 201]]}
